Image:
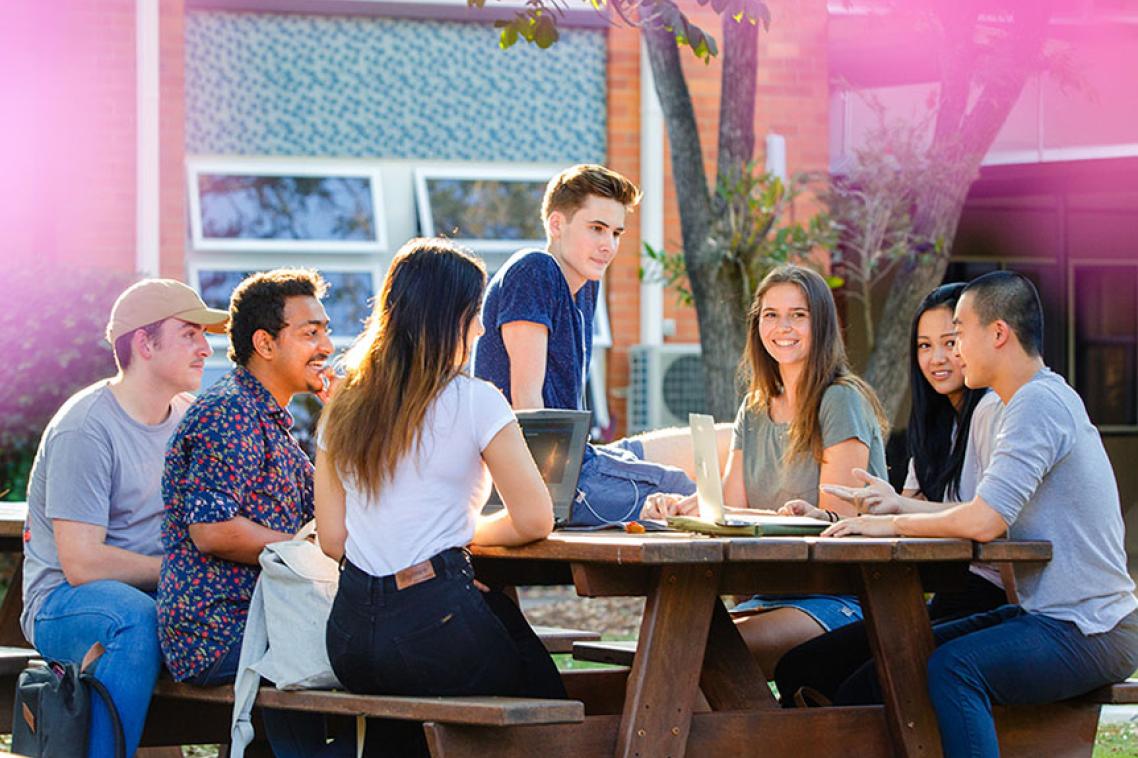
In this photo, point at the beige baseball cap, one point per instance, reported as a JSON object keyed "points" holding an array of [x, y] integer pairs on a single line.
{"points": [[155, 299]]}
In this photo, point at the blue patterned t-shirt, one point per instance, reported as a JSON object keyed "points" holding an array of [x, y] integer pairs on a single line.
{"points": [[233, 455], [531, 287]]}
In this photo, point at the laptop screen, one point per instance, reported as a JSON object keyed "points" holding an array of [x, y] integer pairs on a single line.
{"points": [[556, 439], [549, 443]]}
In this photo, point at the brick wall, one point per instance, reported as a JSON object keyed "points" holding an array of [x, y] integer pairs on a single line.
{"points": [[69, 80], [793, 100], [68, 188], [172, 139]]}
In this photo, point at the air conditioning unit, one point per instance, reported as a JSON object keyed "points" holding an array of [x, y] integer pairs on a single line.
{"points": [[666, 383]]}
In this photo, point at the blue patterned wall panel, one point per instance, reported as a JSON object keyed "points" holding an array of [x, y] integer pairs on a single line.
{"points": [[331, 86]]}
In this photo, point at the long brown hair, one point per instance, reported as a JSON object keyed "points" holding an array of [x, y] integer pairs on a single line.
{"points": [[826, 364], [403, 360]]}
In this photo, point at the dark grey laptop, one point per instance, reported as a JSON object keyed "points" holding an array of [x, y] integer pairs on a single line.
{"points": [[556, 439]]}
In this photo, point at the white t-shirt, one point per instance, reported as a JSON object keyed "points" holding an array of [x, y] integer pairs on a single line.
{"points": [[433, 500], [981, 439]]}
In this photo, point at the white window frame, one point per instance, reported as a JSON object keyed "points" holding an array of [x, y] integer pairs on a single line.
{"points": [[265, 167], [602, 330], [490, 171], [341, 336]]}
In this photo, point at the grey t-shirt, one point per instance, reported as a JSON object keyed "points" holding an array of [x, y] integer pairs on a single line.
{"points": [[844, 414], [981, 437], [1050, 479], [97, 465]]}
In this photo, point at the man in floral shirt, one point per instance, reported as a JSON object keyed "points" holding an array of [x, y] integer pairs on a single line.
{"points": [[236, 479]]}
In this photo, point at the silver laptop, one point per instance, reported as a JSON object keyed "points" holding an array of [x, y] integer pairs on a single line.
{"points": [[556, 439], [709, 484]]}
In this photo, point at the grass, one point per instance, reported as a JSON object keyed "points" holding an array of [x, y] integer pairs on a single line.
{"points": [[1117, 741]]}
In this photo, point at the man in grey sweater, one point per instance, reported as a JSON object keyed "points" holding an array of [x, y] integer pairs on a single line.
{"points": [[1076, 626]]}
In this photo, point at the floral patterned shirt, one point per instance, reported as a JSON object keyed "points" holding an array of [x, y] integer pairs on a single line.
{"points": [[233, 455]]}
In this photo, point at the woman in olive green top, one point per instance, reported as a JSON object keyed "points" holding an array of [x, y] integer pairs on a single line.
{"points": [[806, 419]]}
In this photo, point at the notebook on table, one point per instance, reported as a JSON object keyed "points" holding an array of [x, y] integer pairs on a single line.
{"points": [[714, 517]]}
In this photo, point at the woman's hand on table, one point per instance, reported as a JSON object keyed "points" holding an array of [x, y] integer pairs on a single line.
{"points": [[868, 526], [660, 505], [802, 508], [877, 497]]}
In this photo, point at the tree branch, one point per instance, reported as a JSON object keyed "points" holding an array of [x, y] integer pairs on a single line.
{"points": [[683, 136], [737, 95]]}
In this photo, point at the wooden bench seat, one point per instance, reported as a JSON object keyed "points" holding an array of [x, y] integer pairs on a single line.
{"points": [[13, 660], [614, 652], [484, 711], [1121, 693], [559, 640], [621, 653]]}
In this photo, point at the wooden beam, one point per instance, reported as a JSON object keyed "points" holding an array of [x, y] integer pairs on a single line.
{"points": [[601, 690], [663, 683], [892, 599], [731, 679], [792, 733], [1056, 730]]}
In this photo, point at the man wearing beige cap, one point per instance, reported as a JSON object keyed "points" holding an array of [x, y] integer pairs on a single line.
{"points": [[92, 541]]}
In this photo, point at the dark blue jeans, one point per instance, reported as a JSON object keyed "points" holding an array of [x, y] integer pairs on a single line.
{"points": [[825, 662], [439, 637], [1010, 657], [291, 734]]}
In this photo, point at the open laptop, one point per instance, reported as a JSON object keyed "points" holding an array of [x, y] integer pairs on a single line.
{"points": [[709, 486], [556, 439]]}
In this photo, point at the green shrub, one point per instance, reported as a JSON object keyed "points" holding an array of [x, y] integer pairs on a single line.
{"points": [[52, 336]]}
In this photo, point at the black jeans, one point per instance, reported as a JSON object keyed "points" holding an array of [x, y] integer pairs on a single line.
{"points": [[825, 662], [439, 637]]}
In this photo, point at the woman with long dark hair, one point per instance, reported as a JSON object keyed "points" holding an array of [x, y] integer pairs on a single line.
{"points": [[806, 419], [950, 435], [408, 446]]}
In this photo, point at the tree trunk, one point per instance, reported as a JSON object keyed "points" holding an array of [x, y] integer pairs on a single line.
{"points": [[716, 288], [961, 139]]}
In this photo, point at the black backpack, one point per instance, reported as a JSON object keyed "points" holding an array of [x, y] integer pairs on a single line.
{"points": [[52, 712]]}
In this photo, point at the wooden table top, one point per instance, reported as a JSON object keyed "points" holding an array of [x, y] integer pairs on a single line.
{"points": [[12, 517], [660, 548]]}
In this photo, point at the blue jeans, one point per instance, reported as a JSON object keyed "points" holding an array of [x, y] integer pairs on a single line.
{"points": [[439, 637], [1011, 657], [291, 734], [123, 619], [615, 481]]}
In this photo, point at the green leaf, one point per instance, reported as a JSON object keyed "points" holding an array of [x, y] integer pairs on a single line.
{"points": [[508, 36], [545, 34]]}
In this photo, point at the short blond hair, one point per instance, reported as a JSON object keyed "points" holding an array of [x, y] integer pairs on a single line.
{"points": [[569, 190]]}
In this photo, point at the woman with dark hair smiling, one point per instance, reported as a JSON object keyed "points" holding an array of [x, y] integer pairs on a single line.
{"points": [[408, 446], [950, 436]]}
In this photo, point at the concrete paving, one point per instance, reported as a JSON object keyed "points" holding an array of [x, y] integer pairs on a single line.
{"points": [[1119, 714]]}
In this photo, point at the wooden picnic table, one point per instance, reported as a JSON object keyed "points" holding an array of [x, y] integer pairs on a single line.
{"points": [[689, 647], [12, 515]]}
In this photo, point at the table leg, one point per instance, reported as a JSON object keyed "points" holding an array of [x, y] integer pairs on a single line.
{"points": [[664, 679], [732, 679], [901, 639], [10, 633]]}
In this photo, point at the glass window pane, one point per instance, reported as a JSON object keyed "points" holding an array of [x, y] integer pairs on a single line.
{"points": [[348, 301], [314, 208], [486, 209], [1106, 342]]}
